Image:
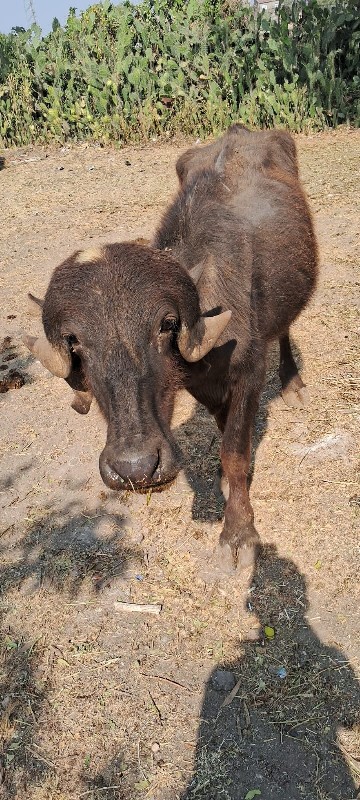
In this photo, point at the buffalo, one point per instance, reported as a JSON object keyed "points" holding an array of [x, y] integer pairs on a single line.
{"points": [[232, 264]]}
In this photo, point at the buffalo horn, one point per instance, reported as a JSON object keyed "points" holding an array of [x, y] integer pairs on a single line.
{"points": [[50, 357], [213, 328]]}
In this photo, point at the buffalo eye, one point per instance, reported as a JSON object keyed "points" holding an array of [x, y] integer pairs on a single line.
{"points": [[169, 325], [72, 341], [74, 347]]}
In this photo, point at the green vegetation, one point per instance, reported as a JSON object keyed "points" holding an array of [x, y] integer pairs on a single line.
{"points": [[126, 73]]}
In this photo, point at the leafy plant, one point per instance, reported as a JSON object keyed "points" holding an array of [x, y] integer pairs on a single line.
{"points": [[126, 73]]}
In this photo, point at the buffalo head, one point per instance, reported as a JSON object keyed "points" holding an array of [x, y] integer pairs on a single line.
{"points": [[123, 324]]}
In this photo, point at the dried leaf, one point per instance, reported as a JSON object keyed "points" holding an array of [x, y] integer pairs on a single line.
{"points": [[252, 793], [231, 695], [141, 785]]}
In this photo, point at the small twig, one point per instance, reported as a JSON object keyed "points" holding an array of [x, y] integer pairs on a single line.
{"points": [[247, 716], [139, 762], [294, 723], [27, 447], [98, 789], [33, 644], [168, 680], [109, 662], [145, 608], [31, 711], [340, 483], [7, 529], [157, 709], [40, 758], [304, 456], [82, 603], [55, 647], [213, 440], [238, 727], [21, 498]]}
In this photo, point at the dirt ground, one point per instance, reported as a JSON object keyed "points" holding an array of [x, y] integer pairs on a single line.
{"points": [[241, 687]]}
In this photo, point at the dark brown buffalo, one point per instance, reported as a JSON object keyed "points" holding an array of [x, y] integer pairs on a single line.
{"points": [[130, 324]]}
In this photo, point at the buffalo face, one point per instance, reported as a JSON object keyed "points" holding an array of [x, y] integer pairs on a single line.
{"points": [[123, 324]]}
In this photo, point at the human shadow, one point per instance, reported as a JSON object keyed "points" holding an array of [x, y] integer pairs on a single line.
{"points": [[200, 442], [64, 553], [284, 732]]}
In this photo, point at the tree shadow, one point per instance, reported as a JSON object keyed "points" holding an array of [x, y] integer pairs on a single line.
{"points": [[108, 784], [286, 728], [8, 481], [65, 553], [200, 442]]}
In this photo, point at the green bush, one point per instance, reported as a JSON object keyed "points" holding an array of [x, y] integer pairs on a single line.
{"points": [[125, 73]]}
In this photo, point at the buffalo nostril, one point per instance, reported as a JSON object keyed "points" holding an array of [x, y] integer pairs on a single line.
{"points": [[110, 476], [138, 469], [130, 471]]}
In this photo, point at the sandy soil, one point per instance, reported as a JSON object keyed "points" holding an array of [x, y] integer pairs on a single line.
{"points": [[196, 702]]}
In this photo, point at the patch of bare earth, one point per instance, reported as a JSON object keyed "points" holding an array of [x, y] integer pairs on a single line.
{"points": [[104, 703]]}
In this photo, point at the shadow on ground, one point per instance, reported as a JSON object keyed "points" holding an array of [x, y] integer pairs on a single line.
{"points": [[63, 554], [284, 731], [200, 442]]}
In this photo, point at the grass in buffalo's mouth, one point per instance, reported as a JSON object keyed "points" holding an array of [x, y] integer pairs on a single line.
{"points": [[150, 487]]}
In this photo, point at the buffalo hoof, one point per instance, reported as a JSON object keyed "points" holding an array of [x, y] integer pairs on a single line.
{"points": [[238, 551], [224, 559], [295, 394]]}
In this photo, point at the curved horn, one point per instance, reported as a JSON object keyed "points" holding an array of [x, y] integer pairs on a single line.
{"points": [[51, 358], [205, 333]]}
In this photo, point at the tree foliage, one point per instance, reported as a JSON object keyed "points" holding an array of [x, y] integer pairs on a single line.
{"points": [[125, 73]]}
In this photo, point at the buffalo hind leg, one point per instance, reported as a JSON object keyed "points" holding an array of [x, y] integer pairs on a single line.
{"points": [[239, 539], [294, 391]]}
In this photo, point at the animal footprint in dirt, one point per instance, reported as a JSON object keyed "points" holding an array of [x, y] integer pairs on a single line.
{"points": [[10, 378]]}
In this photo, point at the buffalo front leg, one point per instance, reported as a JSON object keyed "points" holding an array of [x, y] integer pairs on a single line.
{"points": [[294, 391], [239, 539]]}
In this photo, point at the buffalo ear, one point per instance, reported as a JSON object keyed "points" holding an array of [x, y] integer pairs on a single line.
{"points": [[56, 361], [197, 271], [194, 344], [35, 305], [82, 402]]}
